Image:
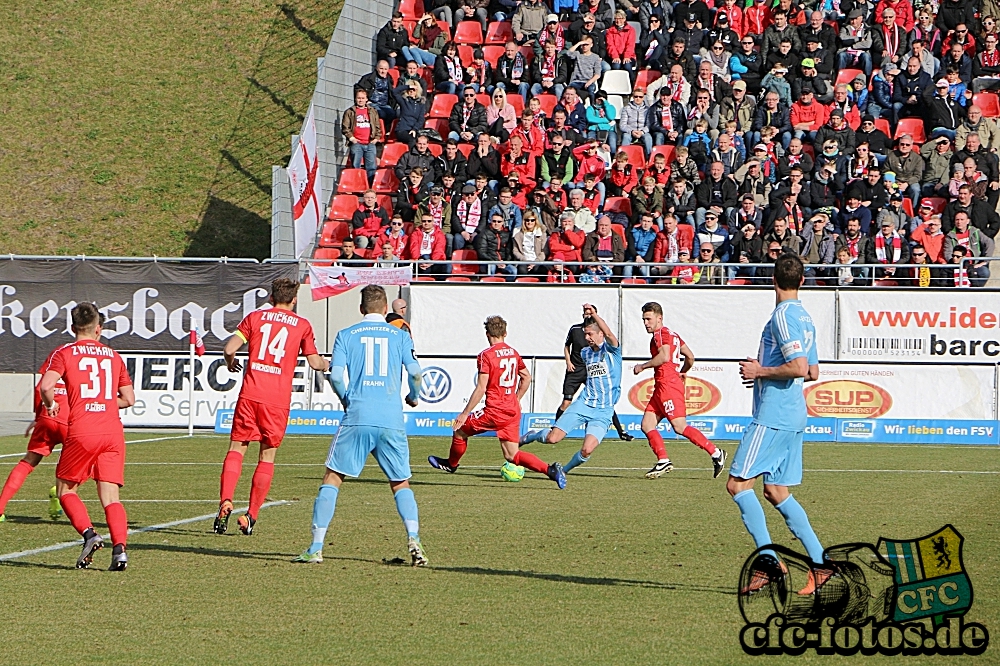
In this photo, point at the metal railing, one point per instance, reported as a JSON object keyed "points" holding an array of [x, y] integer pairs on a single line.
{"points": [[153, 259]]}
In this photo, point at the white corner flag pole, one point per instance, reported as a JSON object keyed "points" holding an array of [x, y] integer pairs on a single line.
{"points": [[191, 387]]}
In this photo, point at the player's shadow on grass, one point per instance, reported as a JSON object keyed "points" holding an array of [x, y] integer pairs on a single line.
{"points": [[37, 565], [198, 550], [588, 580]]}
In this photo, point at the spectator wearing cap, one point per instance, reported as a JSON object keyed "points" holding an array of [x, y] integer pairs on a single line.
{"points": [[806, 115], [823, 60], [634, 120], [665, 119], [752, 181], [722, 32], [877, 140], [857, 93], [479, 75], [438, 210], [689, 31], [908, 90], [467, 119], [712, 232], [818, 246], [810, 78], [739, 107], [888, 247], [856, 43], [928, 233], [529, 20], [620, 40], [545, 209], [937, 156], [943, 112], [883, 102], [553, 32], [837, 130], [908, 166], [549, 72], [678, 54], [817, 30], [748, 248]]}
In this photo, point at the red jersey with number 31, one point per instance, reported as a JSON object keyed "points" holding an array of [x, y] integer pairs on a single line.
{"points": [[502, 363], [275, 338], [668, 373], [93, 372]]}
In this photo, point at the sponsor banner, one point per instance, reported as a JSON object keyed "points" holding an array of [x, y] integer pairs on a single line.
{"points": [[322, 422], [149, 306], [957, 326], [717, 427], [447, 320], [918, 431], [327, 281]]}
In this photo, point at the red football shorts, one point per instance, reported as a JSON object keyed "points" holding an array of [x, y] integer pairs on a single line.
{"points": [[507, 426], [667, 402], [257, 422], [98, 457], [46, 436]]}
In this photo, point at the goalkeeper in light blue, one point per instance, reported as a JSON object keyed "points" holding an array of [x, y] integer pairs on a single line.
{"points": [[594, 408], [373, 353], [772, 444]]}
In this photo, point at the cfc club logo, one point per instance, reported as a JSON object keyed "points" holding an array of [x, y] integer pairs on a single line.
{"points": [[435, 384], [701, 396], [847, 398]]}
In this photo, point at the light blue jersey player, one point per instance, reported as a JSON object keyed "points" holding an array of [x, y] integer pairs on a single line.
{"points": [[772, 444], [595, 406], [373, 353]]}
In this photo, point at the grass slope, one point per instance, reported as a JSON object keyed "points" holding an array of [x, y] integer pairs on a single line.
{"points": [[615, 569], [140, 127]]}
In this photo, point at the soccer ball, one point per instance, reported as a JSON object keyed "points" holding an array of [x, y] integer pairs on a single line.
{"points": [[511, 472]]}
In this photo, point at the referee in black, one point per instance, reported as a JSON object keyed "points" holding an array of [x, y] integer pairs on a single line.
{"points": [[576, 373]]}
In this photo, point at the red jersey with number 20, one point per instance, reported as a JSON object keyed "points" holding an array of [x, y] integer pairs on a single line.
{"points": [[502, 363], [93, 372], [668, 373], [275, 338]]}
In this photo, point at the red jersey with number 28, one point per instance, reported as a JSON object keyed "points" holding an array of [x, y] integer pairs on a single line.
{"points": [[502, 363], [275, 338], [668, 373], [93, 372]]}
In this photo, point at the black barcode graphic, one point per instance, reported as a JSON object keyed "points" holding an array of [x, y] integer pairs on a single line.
{"points": [[886, 344]]}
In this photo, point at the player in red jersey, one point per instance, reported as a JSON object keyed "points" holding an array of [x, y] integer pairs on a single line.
{"points": [[668, 400], [275, 338], [500, 367], [97, 386], [45, 433]]}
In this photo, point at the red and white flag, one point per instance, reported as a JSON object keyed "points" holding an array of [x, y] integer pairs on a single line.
{"points": [[303, 174], [198, 341], [329, 281]]}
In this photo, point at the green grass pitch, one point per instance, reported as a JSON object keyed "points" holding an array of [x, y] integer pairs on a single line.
{"points": [[616, 569]]}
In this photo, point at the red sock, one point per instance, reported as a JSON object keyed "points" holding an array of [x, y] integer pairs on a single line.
{"points": [[656, 443], [117, 523], [231, 469], [76, 512], [699, 439], [14, 482], [531, 461], [259, 486], [458, 448]]}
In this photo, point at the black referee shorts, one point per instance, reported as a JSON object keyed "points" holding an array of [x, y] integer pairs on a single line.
{"points": [[573, 381]]}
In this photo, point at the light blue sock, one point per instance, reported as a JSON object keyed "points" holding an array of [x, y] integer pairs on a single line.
{"points": [[406, 505], [575, 461], [798, 522], [539, 436], [753, 516], [323, 507]]}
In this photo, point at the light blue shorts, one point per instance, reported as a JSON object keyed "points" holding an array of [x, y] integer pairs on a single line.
{"points": [[352, 444], [775, 454], [595, 420]]}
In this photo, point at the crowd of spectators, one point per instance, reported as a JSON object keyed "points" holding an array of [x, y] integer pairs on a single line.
{"points": [[678, 137]]}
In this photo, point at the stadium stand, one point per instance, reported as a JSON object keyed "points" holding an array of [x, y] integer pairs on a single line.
{"points": [[865, 122]]}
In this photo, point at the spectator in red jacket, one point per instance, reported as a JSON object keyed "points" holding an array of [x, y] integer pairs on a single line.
{"points": [[531, 135], [427, 242], [567, 244], [807, 115], [624, 177], [368, 220], [395, 237], [619, 41], [517, 159]]}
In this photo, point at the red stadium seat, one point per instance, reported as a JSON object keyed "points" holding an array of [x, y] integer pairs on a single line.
{"points": [[492, 279], [465, 54], [528, 52], [442, 105], [464, 269], [886, 283], [548, 103], [645, 77], [385, 201], [908, 206], [738, 281], [439, 125], [633, 281], [411, 9], [445, 28], [409, 25], [912, 126], [848, 75], [619, 204], [499, 32], [469, 32], [385, 181], [427, 74], [988, 102], [483, 99], [424, 278], [394, 75], [343, 206], [938, 203], [458, 278], [391, 154], [883, 124], [527, 279], [466, 149], [327, 253], [669, 151], [517, 102], [492, 53], [436, 148], [352, 181], [636, 155], [334, 233], [408, 228], [620, 230]]}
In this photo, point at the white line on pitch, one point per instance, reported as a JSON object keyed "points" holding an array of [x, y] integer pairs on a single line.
{"points": [[133, 501], [706, 469], [128, 441], [151, 528]]}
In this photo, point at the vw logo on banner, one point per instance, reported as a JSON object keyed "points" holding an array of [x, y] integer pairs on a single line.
{"points": [[435, 384]]}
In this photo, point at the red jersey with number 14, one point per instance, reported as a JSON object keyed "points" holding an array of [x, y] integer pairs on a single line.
{"points": [[275, 338], [502, 363], [93, 372], [668, 373]]}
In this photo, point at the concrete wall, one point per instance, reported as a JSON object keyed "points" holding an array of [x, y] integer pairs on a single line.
{"points": [[350, 55]]}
